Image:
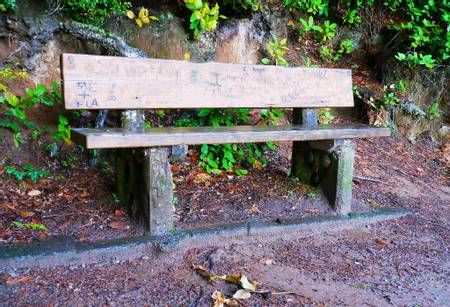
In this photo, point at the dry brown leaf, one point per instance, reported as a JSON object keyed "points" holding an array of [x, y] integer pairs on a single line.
{"points": [[231, 302], [255, 210], [266, 261], [34, 193], [119, 225], [381, 242], [203, 176], [205, 273], [234, 187], [373, 203], [219, 298], [242, 281], [26, 214], [18, 280], [242, 295], [8, 206], [257, 164], [119, 213]]}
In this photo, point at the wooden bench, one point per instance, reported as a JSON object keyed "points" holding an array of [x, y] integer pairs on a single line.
{"points": [[322, 155]]}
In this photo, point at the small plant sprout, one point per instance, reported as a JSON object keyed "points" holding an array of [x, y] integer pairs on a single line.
{"points": [[433, 111], [277, 50]]}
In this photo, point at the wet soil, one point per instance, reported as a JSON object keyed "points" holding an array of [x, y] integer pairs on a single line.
{"points": [[398, 262]]}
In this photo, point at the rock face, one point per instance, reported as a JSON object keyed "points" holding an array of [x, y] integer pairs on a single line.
{"points": [[424, 87], [36, 39]]}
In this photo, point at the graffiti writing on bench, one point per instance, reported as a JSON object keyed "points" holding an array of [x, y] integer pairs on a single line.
{"points": [[85, 91]]}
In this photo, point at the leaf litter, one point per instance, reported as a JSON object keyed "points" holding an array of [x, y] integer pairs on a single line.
{"points": [[246, 287]]}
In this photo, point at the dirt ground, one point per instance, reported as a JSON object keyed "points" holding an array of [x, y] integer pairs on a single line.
{"points": [[401, 262]]}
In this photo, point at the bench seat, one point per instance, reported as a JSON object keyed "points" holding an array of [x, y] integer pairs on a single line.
{"points": [[169, 136]]}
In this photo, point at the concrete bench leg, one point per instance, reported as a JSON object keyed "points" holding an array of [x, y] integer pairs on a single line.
{"points": [[328, 164], [145, 187]]}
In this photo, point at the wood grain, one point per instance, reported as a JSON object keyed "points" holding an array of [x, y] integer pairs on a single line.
{"points": [[103, 82], [151, 137]]}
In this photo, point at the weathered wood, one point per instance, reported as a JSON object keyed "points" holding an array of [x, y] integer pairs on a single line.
{"points": [[306, 116], [336, 180], [145, 187], [151, 137], [300, 166], [329, 165], [100, 82]]}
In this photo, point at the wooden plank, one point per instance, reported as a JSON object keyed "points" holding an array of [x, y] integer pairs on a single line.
{"points": [[101, 82], [168, 136]]}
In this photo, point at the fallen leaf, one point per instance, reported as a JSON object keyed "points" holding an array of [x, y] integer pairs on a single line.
{"points": [[242, 295], [219, 298], [242, 281], [381, 242], [257, 164], [119, 213], [238, 279], [373, 203], [119, 225], [205, 273], [34, 193], [247, 284], [203, 176], [175, 168], [255, 210], [8, 206], [26, 214], [266, 261], [310, 210], [234, 187], [18, 280]]}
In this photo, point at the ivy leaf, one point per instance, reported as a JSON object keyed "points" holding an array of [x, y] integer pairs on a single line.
{"points": [[12, 99]]}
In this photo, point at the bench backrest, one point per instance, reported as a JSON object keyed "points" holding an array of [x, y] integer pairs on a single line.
{"points": [[104, 82]]}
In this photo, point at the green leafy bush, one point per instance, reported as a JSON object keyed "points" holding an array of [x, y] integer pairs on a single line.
{"points": [[8, 5], [203, 18], [433, 111], [254, 5], [313, 7], [64, 130], [13, 108], [277, 50], [427, 29], [95, 11], [421, 27], [28, 172], [216, 158]]}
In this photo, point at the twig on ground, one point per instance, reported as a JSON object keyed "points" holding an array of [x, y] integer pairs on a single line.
{"points": [[367, 179]]}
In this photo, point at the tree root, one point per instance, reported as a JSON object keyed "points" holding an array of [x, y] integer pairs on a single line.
{"points": [[116, 45]]}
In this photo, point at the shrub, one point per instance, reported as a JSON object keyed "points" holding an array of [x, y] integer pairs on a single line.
{"points": [[28, 172], [216, 158], [203, 18], [13, 108], [95, 11], [421, 28], [8, 5]]}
